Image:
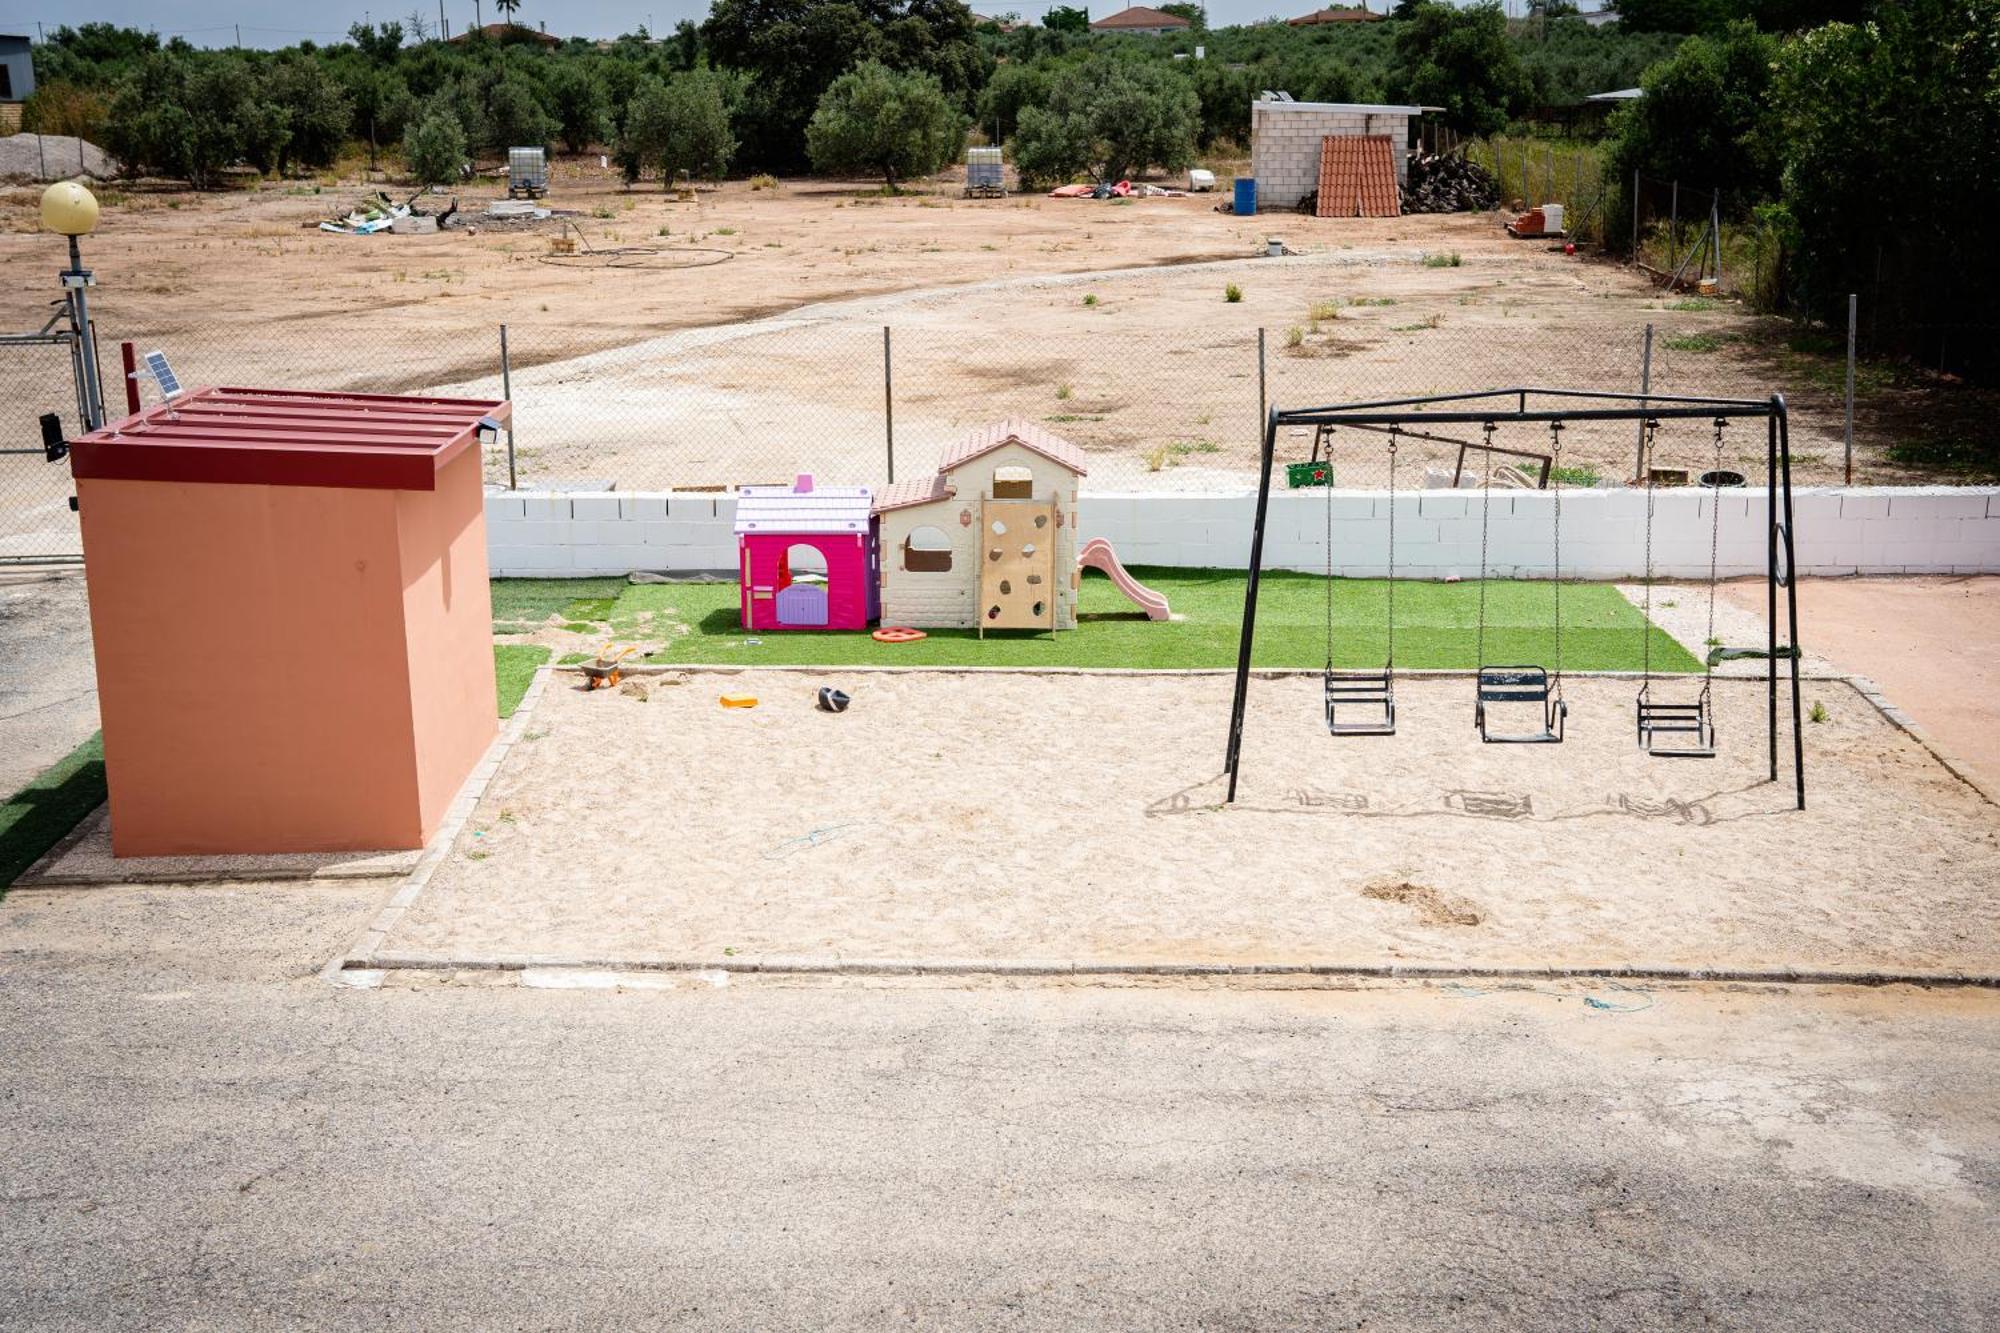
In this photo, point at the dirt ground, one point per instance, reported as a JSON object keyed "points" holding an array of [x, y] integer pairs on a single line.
{"points": [[1932, 644], [936, 818], [757, 373]]}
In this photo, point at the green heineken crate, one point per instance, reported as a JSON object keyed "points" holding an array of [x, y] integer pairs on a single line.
{"points": [[1308, 474]]}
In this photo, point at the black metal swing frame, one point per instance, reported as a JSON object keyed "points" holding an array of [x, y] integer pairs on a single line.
{"points": [[1500, 407]]}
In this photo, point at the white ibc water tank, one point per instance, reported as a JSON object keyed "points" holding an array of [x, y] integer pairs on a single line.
{"points": [[1552, 217], [1201, 180]]}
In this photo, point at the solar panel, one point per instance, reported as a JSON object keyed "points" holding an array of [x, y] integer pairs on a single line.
{"points": [[163, 374]]}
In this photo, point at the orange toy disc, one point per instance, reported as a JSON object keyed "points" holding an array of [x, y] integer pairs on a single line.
{"points": [[897, 634]]}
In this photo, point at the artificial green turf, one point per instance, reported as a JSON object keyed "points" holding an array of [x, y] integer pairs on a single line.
{"points": [[1435, 626], [42, 813], [513, 668]]}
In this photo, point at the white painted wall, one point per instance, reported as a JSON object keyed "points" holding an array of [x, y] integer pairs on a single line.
{"points": [[1864, 530]]}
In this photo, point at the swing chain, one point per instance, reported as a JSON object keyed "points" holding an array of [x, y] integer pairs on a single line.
{"points": [[1555, 472], [1325, 432], [1646, 627], [1714, 544], [1485, 513], [1394, 430]]}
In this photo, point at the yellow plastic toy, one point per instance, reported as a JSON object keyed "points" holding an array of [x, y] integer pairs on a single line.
{"points": [[739, 701]]}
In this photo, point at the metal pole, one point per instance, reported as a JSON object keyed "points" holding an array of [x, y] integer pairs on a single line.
{"points": [[1249, 633], [1771, 579], [1847, 432], [77, 280], [1635, 217], [1674, 231], [1645, 385], [507, 392], [888, 404], [1791, 599], [1261, 398], [1715, 226], [129, 356]]}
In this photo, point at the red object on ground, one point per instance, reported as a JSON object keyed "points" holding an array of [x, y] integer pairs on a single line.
{"points": [[1529, 225], [1072, 192], [897, 634], [1097, 554], [1357, 177], [294, 634], [288, 437]]}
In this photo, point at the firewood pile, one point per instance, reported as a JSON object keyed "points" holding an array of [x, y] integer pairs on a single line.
{"points": [[1449, 183]]}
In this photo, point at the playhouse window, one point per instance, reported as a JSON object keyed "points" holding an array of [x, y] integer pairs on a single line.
{"points": [[927, 551], [1013, 483], [803, 564]]}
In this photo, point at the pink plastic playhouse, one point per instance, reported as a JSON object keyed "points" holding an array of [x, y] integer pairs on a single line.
{"points": [[806, 556]]}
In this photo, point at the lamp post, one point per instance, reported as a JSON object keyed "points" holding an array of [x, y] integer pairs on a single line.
{"points": [[70, 210]]}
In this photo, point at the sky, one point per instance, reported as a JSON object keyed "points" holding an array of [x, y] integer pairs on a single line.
{"points": [[215, 22]]}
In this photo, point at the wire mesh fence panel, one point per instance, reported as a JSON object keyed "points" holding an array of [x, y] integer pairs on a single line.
{"points": [[35, 516], [1154, 408], [708, 408]]}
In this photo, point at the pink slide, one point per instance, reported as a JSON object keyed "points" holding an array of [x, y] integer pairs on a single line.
{"points": [[1097, 554]]}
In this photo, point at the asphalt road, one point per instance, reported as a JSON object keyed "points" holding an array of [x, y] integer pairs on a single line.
{"points": [[197, 1132]]}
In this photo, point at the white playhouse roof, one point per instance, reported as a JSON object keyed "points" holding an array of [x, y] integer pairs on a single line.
{"points": [[802, 507]]}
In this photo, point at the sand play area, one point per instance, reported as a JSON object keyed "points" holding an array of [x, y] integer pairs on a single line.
{"points": [[1015, 816]]}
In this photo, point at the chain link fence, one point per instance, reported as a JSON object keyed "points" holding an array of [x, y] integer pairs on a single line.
{"points": [[38, 375], [1157, 404]]}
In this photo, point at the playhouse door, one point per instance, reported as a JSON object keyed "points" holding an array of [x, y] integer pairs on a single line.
{"points": [[802, 604], [1017, 566]]}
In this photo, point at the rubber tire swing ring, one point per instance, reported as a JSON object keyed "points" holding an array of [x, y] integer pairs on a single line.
{"points": [[897, 634]]}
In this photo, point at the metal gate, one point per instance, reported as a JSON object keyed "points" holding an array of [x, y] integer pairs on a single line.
{"points": [[39, 373]]}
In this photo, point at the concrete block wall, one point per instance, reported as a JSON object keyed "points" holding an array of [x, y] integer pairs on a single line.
{"points": [[1285, 144], [1860, 530]]}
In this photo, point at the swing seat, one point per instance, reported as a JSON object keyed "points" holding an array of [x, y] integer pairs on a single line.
{"points": [[1373, 692], [1520, 685], [1673, 720]]}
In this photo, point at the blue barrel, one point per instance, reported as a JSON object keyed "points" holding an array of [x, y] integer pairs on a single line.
{"points": [[1246, 195]]}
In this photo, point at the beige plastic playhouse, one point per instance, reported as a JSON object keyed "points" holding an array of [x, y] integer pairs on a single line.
{"points": [[989, 542]]}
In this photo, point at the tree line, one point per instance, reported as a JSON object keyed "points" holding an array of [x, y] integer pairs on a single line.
{"points": [[1863, 131]]}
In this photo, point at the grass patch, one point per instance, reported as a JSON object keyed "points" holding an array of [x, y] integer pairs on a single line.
{"points": [[513, 668], [1436, 627], [1694, 304], [1450, 260], [1372, 300], [42, 813], [1232, 293], [1964, 458], [532, 601], [1580, 475], [1693, 342]]}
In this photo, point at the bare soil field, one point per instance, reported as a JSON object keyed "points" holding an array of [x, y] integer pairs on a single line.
{"points": [[745, 341], [937, 818]]}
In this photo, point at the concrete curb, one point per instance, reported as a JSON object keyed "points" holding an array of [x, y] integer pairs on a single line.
{"points": [[381, 963], [1896, 717], [460, 810], [367, 963]]}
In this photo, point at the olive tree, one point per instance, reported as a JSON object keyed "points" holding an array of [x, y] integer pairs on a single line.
{"points": [[878, 119]]}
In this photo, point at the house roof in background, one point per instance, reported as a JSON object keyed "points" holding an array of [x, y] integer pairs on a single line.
{"points": [[1618, 95], [501, 32], [1140, 16], [1341, 14]]}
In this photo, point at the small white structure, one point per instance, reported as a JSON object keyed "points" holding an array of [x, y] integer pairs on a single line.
{"points": [[1285, 138], [989, 541]]}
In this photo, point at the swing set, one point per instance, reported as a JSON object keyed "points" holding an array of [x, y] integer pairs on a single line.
{"points": [[1667, 727]]}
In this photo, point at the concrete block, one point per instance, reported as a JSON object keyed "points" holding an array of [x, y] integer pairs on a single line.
{"points": [[544, 505], [531, 532], [504, 506], [642, 506], [1939, 502], [594, 506], [531, 561], [1863, 505]]}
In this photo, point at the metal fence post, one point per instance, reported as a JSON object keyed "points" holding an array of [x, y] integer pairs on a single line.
{"points": [[1263, 406], [888, 405], [507, 392], [1635, 217], [1847, 433], [1645, 385], [1715, 226]]}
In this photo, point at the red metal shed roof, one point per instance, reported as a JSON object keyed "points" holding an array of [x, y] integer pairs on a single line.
{"points": [[1357, 177], [288, 437]]}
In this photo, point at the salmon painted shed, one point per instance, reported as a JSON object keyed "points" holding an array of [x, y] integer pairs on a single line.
{"points": [[294, 634], [806, 556]]}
